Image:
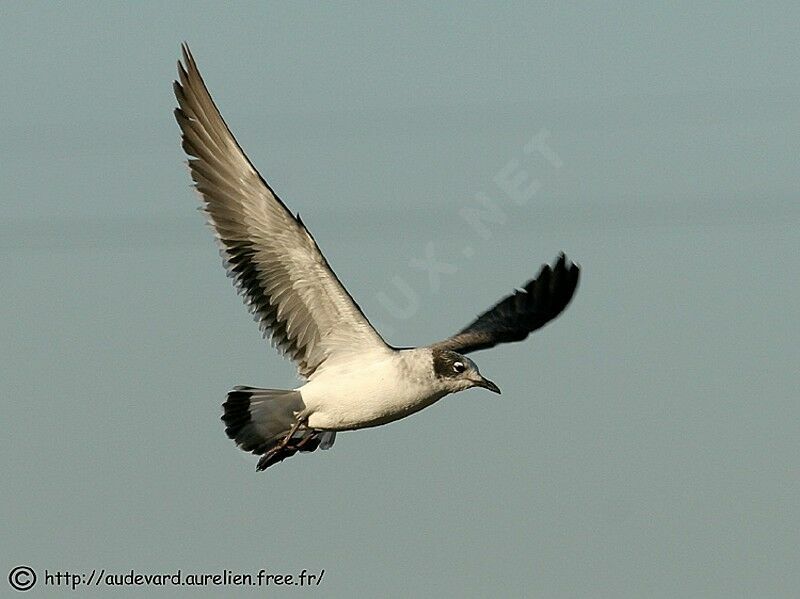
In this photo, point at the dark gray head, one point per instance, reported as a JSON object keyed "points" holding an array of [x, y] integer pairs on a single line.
{"points": [[457, 372]]}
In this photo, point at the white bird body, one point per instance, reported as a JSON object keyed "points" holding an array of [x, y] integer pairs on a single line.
{"points": [[371, 389]]}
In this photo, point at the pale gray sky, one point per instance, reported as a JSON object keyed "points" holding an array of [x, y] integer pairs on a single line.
{"points": [[646, 443]]}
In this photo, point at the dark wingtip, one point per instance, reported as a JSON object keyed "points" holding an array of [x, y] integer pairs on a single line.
{"points": [[568, 272], [565, 281]]}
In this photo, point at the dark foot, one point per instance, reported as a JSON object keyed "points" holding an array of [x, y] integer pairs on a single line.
{"points": [[284, 449]]}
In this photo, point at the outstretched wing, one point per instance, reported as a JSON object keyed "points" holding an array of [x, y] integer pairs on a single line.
{"points": [[275, 262], [519, 314]]}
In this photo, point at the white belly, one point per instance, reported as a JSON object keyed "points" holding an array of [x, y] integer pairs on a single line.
{"points": [[352, 395]]}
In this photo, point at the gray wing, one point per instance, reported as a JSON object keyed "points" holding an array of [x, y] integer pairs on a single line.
{"points": [[275, 262], [516, 316]]}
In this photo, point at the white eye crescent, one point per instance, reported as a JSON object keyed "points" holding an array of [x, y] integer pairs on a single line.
{"points": [[459, 366]]}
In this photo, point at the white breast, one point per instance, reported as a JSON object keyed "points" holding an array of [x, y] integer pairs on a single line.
{"points": [[369, 390]]}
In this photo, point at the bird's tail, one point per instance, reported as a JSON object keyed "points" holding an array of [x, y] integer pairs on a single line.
{"points": [[258, 420]]}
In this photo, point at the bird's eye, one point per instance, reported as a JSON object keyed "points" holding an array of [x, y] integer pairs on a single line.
{"points": [[459, 366]]}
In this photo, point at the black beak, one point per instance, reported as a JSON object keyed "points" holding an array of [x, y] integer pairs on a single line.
{"points": [[487, 384]]}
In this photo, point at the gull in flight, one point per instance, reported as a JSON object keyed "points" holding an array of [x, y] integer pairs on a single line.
{"points": [[352, 378]]}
